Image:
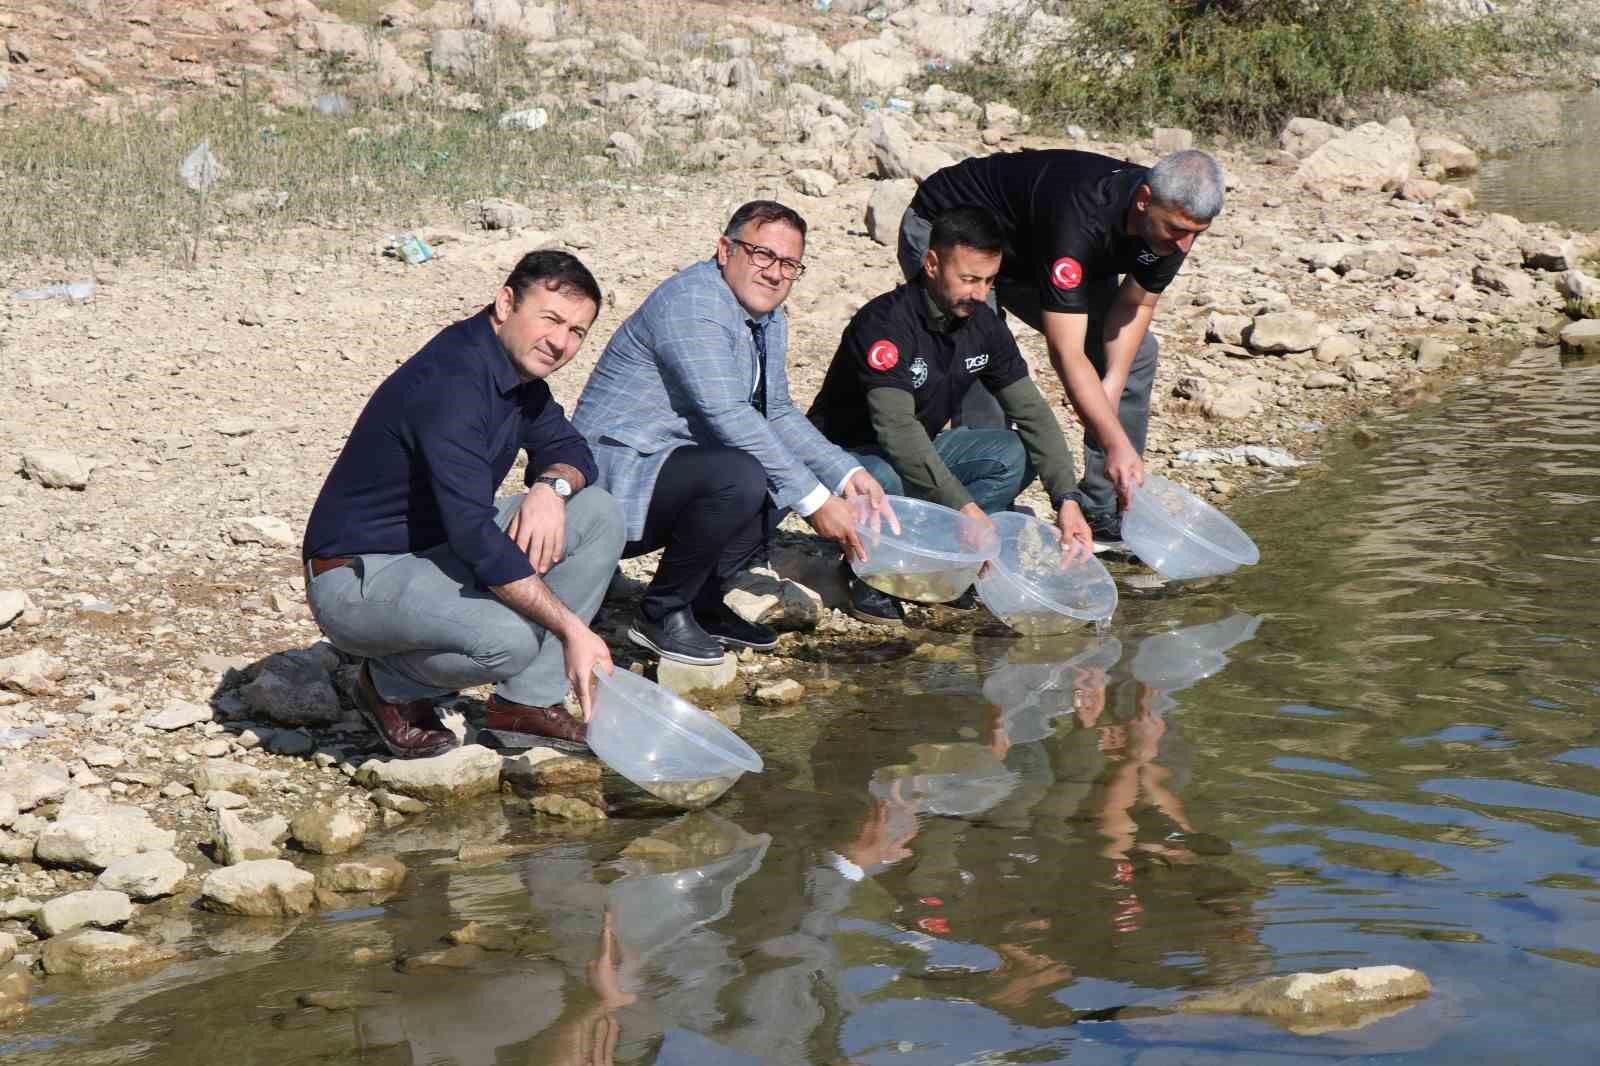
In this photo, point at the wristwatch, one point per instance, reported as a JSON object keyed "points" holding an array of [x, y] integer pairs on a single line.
{"points": [[562, 487]]}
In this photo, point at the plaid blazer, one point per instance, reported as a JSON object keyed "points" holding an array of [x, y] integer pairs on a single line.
{"points": [[680, 371]]}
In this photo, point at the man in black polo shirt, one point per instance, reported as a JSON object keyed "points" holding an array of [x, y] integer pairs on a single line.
{"points": [[413, 564], [906, 361], [1074, 223]]}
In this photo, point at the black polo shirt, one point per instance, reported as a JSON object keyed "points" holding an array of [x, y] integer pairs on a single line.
{"points": [[1064, 216], [423, 463], [894, 343]]}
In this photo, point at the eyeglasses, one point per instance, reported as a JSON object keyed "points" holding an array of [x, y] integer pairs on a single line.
{"points": [[763, 257]]}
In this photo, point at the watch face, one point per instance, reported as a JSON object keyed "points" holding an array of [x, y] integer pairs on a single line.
{"points": [[562, 486]]}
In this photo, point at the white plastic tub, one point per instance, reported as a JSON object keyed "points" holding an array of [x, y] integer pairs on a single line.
{"points": [[1179, 535], [932, 558], [1028, 588]]}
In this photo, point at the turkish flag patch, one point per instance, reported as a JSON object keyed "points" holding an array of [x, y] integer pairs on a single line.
{"points": [[883, 356], [1066, 273]]}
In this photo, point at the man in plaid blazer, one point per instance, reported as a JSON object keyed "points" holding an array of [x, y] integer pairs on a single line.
{"points": [[689, 417]]}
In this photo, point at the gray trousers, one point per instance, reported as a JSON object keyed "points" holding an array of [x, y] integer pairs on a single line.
{"points": [[428, 629], [1095, 493]]}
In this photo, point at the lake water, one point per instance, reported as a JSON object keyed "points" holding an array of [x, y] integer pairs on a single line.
{"points": [[1379, 745], [1552, 184]]}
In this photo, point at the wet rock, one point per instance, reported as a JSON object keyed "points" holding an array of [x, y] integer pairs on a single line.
{"points": [[34, 673], [100, 908], [264, 530], [1582, 338], [457, 775], [1368, 158], [91, 952], [885, 206], [222, 775], [263, 888], [332, 1001], [569, 808], [33, 783], [382, 873], [937, 653], [12, 603], [56, 469], [476, 854], [1301, 995], [1508, 282], [1445, 156], [781, 692], [95, 841], [146, 876], [684, 678], [391, 801], [460, 957], [1277, 332], [1302, 136], [178, 715], [494, 937], [328, 830], [237, 841]]}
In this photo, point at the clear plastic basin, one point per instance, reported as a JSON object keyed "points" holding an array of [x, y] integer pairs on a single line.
{"points": [[664, 744], [932, 558], [1027, 587], [1179, 535]]}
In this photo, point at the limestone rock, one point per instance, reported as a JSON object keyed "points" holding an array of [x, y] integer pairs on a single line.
{"points": [[1508, 282], [16, 987], [1002, 118], [885, 207], [33, 783], [1227, 329], [383, 873], [34, 672], [1300, 995], [684, 679], [570, 808], [262, 529], [56, 469], [8, 948], [1239, 399], [12, 603], [461, 52], [178, 715], [390, 801], [238, 841], [517, 18], [813, 182], [95, 841], [1582, 293], [1167, 139], [1582, 338], [778, 693], [8, 809], [1283, 331], [90, 952], [146, 876], [528, 119], [1302, 136], [100, 908], [223, 775], [1554, 256], [328, 830], [1368, 158], [457, 775], [625, 149], [899, 153], [1446, 156], [496, 214], [330, 36], [880, 63], [263, 888], [1323, 379], [1337, 348]]}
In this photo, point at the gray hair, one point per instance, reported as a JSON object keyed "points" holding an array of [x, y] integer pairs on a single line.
{"points": [[1190, 181]]}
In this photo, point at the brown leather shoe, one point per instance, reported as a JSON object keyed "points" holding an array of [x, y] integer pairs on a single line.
{"points": [[406, 729], [551, 721]]}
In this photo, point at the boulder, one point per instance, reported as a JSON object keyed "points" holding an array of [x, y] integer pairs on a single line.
{"points": [[178, 715], [32, 783], [1503, 280], [95, 841], [56, 469], [1368, 158], [1337, 348], [261, 888], [1239, 399], [684, 678], [1278, 332], [880, 63], [90, 952], [1302, 995], [33, 673], [383, 873], [528, 119], [885, 207], [1582, 338], [1302, 136], [332, 37], [292, 690], [457, 775], [461, 52], [223, 775], [100, 908], [146, 876], [899, 153], [813, 182], [328, 830], [238, 841], [1003, 119], [1445, 156], [1226, 329], [1582, 294]]}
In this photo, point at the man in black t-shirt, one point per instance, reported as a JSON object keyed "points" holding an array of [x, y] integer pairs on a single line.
{"points": [[906, 361], [1090, 244]]}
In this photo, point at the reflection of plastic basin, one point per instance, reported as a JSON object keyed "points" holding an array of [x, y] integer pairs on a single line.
{"points": [[1180, 535], [1028, 589], [934, 557], [1176, 660], [1033, 695], [957, 780], [650, 911], [665, 744]]}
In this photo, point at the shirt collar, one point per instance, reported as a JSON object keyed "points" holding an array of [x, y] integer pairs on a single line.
{"points": [[481, 330], [939, 320]]}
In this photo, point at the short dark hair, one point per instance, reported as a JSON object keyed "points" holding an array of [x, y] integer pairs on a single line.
{"points": [[557, 271], [761, 212], [970, 227]]}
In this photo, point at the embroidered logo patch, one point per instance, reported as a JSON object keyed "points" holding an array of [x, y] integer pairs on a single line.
{"points": [[977, 362], [1066, 273], [1147, 257], [883, 356], [919, 372]]}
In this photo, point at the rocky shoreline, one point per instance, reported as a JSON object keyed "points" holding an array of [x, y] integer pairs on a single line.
{"points": [[172, 734]]}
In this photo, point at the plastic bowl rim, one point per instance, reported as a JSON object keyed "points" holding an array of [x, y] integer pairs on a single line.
{"points": [[1166, 519], [933, 553], [1032, 591], [738, 759]]}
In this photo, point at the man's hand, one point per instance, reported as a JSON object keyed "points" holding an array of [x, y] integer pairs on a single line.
{"points": [[585, 653], [1124, 469], [865, 485], [836, 520], [976, 513], [540, 527], [1076, 538]]}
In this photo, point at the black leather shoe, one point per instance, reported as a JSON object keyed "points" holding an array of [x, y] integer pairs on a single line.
{"points": [[869, 605], [722, 623], [677, 637], [967, 601], [1107, 533]]}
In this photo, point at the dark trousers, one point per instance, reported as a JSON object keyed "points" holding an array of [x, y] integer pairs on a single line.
{"points": [[707, 512]]}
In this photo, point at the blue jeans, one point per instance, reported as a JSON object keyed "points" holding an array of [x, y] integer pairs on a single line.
{"points": [[991, 463]]}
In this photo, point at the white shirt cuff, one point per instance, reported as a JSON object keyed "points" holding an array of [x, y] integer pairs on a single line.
{"points": [[812, 500], [847, 869], [838, 490]]}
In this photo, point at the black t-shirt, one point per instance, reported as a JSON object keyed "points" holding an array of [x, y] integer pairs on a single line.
{"points": [[891, 344], [1064, 216]]}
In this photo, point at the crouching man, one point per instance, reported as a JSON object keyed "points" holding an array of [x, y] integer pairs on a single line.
{"points": [[411, 562]]}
